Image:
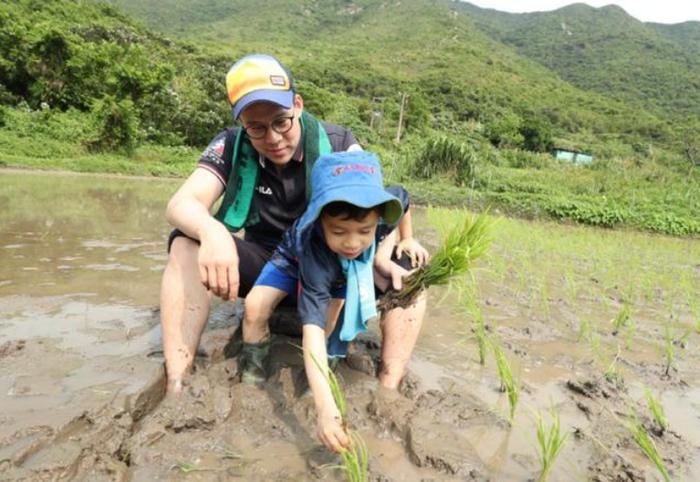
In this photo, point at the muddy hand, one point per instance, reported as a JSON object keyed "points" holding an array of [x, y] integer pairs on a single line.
{"points": [[414, 250], [331, 432]]}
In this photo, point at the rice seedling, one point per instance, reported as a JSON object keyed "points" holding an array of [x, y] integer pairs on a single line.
{"points": [[612, 373], [549, 442], [669, 349], [621, 319], [464, 244], [629, 333], [646, 444], [594, 342], [508, 382], [657, 410], [355, 460], [479, 327], [585, 330]]}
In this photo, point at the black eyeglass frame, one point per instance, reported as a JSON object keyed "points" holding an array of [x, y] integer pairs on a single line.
{"points": [[271, 125]]}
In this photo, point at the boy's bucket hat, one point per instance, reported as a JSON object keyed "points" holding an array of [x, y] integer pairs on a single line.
{"points": [[354, 177]]}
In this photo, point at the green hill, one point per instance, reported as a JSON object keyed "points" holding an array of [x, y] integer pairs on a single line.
{"points": [[81, 78], [686, 34], [375, 49], [607, 51]]}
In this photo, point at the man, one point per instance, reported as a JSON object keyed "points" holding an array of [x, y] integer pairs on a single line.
{"points": [[262, 170]]}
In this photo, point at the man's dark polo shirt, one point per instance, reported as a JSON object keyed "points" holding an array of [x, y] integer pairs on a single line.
{"points": [[280, 195]]}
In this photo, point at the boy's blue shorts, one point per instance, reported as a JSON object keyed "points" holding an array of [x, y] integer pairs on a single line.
{"points": [[274, 277]]}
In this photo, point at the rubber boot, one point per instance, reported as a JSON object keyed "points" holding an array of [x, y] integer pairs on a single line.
{"points": [[253, 361]]}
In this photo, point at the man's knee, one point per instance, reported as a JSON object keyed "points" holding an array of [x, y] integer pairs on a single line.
{"points": [[183, 253]]}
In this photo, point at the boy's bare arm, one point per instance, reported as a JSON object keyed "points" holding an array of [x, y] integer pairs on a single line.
{"points": [[329, 423], [408, 244]]}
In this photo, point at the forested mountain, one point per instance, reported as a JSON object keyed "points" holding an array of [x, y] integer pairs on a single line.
{"points": [[607, 51], [374, 49], [686, 34]]}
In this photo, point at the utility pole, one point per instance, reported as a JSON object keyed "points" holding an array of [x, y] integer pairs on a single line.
{"points": [[404, 101]]}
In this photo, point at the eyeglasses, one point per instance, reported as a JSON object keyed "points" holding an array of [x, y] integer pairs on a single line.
{"points": [[280, 125]]}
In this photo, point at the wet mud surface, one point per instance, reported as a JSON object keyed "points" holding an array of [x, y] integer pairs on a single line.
{"points": [[82, 382]]}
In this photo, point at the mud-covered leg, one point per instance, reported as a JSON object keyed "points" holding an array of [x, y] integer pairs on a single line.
{"points": [[400, 329], [184, 309]]}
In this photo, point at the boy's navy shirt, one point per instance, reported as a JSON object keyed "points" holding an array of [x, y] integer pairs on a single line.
{"points": [[317, 267]]}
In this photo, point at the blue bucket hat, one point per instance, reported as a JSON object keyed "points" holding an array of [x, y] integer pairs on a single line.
{"points": [[353, 177]]}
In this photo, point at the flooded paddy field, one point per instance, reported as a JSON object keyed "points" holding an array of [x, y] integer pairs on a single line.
{"points": [[592, 323]]}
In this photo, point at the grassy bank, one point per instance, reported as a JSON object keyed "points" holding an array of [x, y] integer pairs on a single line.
{"points": [[657, 194]]}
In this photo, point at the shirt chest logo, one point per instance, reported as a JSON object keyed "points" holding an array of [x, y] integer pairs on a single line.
{"points": [[265, 190]]}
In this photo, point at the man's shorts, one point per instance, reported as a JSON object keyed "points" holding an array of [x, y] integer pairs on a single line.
{"points": [[252, 257]]}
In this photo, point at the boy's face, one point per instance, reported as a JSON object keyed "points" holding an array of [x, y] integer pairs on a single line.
{"points": [[348, 237], [278, 148]]}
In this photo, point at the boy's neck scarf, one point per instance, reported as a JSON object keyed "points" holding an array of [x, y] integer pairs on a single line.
{"points": [[360, 302]]}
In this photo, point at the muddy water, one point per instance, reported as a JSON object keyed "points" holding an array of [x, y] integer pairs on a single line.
{"points": [[81, 375]]}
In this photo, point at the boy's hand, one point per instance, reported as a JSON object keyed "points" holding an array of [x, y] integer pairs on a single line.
{"points": [[415, 251], [331, 432]]}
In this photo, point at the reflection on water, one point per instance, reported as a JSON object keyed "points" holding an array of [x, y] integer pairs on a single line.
{"points": [[82, 234], [81, 258]]}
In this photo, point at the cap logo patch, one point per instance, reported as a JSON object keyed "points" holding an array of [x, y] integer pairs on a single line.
{"points": [[278, 80], [355, 167]]}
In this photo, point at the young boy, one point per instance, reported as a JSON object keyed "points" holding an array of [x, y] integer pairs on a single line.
{"points": [[329, 259]]}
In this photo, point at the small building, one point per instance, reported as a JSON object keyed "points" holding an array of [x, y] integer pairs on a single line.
{"points": [[572, 155]]}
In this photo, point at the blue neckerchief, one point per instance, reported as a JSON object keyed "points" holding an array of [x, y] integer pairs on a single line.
{"points": [[360, 303]]}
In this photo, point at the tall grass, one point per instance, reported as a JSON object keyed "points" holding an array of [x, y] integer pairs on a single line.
{"points": [[549, 442]]}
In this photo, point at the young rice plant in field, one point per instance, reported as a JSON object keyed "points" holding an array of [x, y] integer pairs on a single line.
{"points": [[669, 349], [612, 373], [641, 437], [508, 382], [355, 460], [549, 442], [621, 319], [479, 327], [657, 410]]}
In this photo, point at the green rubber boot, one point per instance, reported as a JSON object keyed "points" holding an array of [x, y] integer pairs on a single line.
{"points": [[253, 361]]}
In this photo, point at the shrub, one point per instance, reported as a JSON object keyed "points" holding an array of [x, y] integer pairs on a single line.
{"points": [[442, 155], [116, 124]]}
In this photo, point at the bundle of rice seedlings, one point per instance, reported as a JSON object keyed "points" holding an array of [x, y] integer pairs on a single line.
{"points": [[464, 243]]}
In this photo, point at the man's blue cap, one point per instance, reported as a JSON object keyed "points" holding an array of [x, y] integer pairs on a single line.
{"points": [[354, 177]]}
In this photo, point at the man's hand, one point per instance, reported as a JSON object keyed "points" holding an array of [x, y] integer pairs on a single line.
{"points": [[218, 261], [415, 251], [331, 432]]}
